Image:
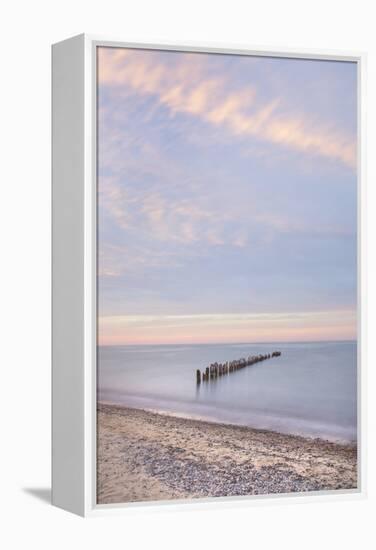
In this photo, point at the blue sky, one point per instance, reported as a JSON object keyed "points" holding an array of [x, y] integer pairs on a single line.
{"points": [[227, 198]]}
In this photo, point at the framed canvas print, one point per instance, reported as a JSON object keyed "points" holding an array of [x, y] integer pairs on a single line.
{"points": [[206, 274]]}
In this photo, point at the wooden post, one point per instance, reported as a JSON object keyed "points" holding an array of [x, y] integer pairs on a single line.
{"points": [[220, 369]]}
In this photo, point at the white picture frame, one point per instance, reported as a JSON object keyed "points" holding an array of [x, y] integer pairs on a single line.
{"points": [[74, 340]]}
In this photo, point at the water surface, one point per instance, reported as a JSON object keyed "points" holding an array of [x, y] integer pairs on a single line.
{"points": [[310, 390]]}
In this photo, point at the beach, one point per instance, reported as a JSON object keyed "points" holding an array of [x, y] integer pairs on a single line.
{"points": [[146, 456]]}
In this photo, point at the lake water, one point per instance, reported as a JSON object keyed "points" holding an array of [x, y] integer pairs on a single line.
{"points": [[310, 390]]}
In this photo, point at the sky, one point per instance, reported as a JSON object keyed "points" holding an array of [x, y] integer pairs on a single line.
{"points": [[227, 198]]}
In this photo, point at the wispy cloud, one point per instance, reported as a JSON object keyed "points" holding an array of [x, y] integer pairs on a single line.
{"points": [[228, 327], [167, 219], [190, 89], [195, 221]]}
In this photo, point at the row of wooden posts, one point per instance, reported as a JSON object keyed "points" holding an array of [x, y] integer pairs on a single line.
{"points": [[221, 369]]}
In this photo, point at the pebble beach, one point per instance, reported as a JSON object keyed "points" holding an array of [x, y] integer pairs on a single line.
{"points": [[145, 456]]}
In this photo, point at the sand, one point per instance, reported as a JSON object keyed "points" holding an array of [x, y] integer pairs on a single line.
{"points": [[144, 456]]}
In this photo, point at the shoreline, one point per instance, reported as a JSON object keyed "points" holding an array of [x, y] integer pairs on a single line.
{"points": [[148, 456], [211, 420]]}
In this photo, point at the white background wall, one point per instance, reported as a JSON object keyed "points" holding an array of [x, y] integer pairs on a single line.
{"points": [[27, 30]]}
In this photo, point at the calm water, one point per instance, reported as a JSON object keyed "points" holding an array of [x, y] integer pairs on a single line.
{"points": [[309, 390]]}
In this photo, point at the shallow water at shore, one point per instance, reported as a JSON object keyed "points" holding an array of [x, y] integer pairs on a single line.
{"points": [[310, 390]]}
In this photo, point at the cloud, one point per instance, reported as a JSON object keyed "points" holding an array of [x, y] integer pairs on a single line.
{"points": [[160, 230], [230, 327], [117, 261], [225, 318], [162, 218], [190, 88]]}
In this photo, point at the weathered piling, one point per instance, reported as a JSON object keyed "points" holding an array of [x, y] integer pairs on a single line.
{"points": [[216, 370]]}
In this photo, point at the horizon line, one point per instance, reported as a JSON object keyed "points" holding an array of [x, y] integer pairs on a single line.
{"points": [[231, 343]]}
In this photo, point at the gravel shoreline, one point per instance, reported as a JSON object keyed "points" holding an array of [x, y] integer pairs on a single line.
{"points": [[145, 456]]}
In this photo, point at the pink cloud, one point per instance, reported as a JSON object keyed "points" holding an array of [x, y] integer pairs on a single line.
{"points": [[188, 90]]}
